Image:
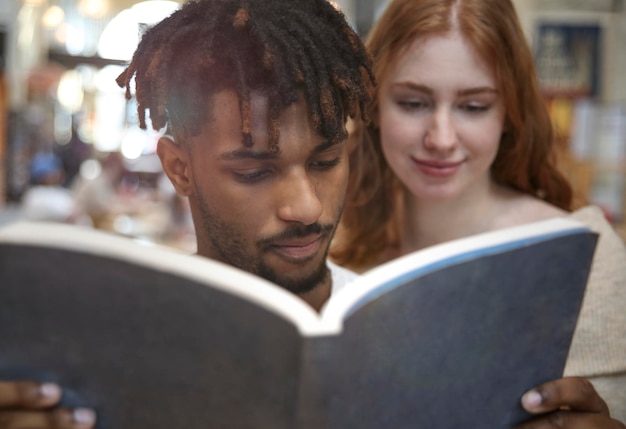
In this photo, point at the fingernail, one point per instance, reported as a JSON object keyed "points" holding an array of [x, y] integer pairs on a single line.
{"points": [[532, 399], [49, 390], [84, 416]]}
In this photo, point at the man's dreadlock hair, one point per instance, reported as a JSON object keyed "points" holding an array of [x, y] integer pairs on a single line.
{"points": [[285, 49]]}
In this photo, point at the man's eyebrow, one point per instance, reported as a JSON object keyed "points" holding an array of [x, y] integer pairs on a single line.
{"points": [[323, 146], [245, 153]]}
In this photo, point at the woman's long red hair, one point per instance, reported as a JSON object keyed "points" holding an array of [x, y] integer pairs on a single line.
{"points": [[525, 160]]}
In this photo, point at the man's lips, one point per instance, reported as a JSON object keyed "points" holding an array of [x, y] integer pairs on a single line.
{"points": [[298, 249], [437, 168]]}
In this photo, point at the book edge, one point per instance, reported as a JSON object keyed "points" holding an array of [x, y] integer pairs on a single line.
{"points": [[224, 277], [387, 276]]}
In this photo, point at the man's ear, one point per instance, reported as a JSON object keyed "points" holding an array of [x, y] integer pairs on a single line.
{"points": [[175, 161]]}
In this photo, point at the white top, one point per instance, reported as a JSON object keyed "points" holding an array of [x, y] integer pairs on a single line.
{"points": [[340, 277]]}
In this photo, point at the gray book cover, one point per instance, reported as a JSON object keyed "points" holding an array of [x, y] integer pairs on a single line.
{"points": [[452, 343]]}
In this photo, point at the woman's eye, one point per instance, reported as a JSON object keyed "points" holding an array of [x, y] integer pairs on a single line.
{"points": [[475, 108], [412, 105]]}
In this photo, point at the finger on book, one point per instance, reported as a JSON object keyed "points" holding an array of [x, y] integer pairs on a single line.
{"points": [[572, 420], [28, 394], [58, 418], [573, 393]]}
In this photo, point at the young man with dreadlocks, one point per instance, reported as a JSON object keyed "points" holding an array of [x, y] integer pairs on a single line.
{"points": [[255, 95]]}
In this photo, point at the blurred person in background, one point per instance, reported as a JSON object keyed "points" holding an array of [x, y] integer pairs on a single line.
{"points": [[47, 199], [74, 153], [96, 188]]}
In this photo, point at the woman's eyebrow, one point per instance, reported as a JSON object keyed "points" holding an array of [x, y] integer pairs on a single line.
{"points": [[478, 90]]}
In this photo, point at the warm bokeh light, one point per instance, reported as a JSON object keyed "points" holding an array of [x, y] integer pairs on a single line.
{"points": [[133, 143], [110, 108], [53, 16], [33, 2], [70, 91], [93, 8], [121, 36]]}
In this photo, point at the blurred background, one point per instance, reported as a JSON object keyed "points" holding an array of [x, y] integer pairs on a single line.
{"points": [[71, 149]]}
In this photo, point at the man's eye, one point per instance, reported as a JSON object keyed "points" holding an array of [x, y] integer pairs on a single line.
{"points": [[251, 177], [325, 165]]}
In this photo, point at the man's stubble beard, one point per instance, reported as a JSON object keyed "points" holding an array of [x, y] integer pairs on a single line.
{"points": [[229, 244]]}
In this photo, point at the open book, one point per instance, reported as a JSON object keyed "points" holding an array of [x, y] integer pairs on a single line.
{"points": [[450, 336]]}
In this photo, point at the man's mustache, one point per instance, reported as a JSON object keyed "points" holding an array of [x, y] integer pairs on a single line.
{"points": [[297, 231]]}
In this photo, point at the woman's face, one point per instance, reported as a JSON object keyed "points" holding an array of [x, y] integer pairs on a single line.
{"points": [[441, 117]]}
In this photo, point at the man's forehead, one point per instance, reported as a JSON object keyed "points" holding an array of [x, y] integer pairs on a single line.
{"points": [[229, 98], [225, 116]]}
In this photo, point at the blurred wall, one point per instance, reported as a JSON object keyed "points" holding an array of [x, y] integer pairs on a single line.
{"points": [[609, 14]]}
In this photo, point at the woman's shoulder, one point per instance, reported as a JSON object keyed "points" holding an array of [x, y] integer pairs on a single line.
{"points": [[518, 209], [611, 245], [599, 343], [594, 218]]}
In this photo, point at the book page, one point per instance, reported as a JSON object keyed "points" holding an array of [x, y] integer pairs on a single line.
{"points": [[390, 275], [461, 343]]}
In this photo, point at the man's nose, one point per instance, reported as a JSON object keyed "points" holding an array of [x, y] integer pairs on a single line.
{"points": [[300, 201]]}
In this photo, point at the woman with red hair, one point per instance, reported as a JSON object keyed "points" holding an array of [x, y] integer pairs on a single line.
{"points": [[461, 143]]}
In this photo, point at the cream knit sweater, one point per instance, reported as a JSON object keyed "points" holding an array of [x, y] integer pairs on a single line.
{"points": [[598, 349]]}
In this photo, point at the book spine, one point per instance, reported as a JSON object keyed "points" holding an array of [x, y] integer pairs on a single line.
{"points": [[315, 383]]}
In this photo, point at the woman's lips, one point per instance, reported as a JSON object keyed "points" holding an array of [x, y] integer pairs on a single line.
{"points": [[438, 169]]}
